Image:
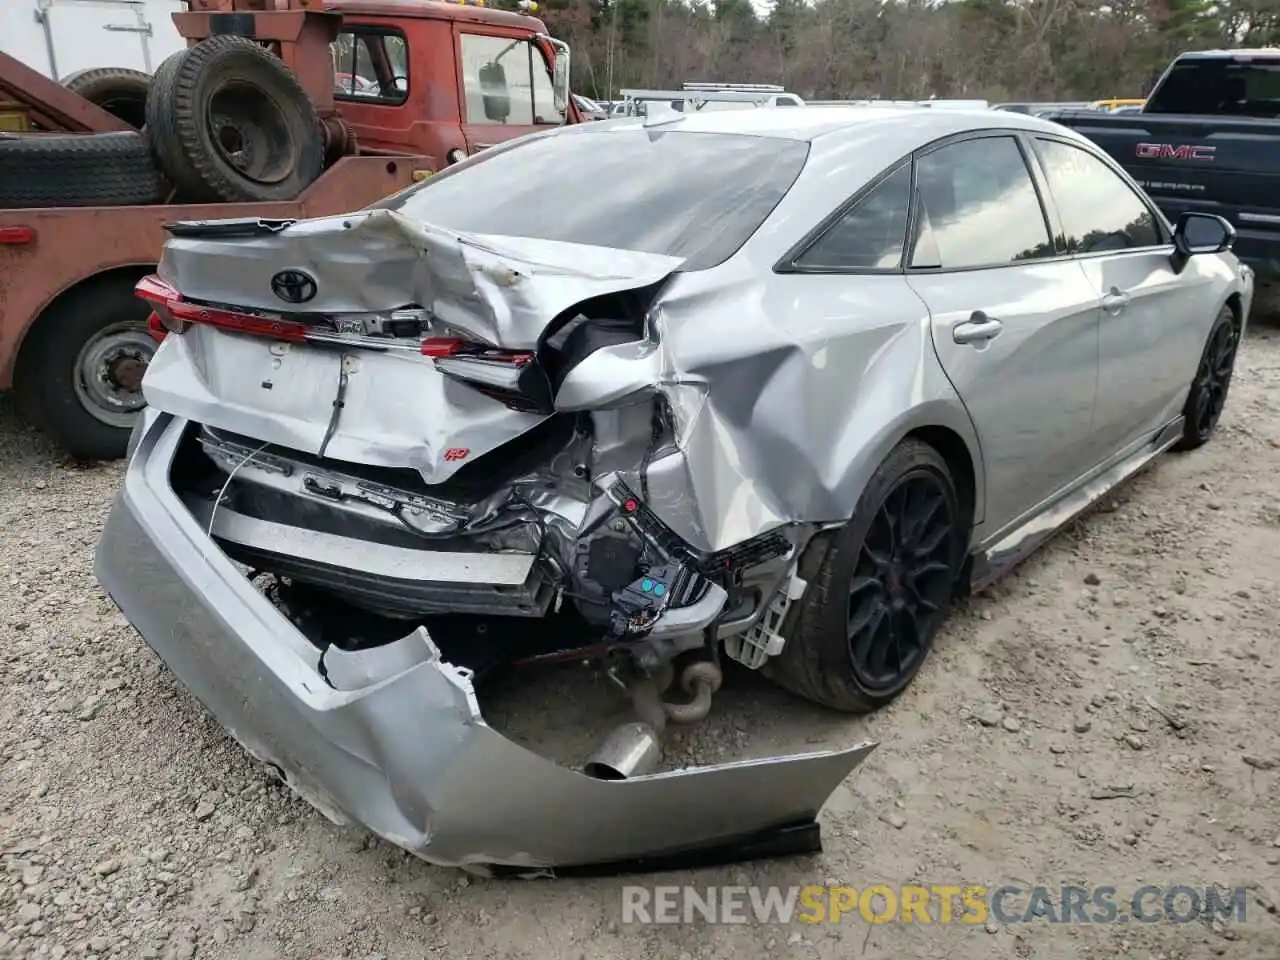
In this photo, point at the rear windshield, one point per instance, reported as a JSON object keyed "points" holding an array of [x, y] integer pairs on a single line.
{"points": [[1219, 86], [693, 195]]}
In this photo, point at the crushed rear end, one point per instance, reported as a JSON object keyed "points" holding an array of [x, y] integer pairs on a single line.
{"points": [[374, 441]]}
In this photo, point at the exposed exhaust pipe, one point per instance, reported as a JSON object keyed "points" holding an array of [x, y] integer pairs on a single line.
{"points": [[631, 750], [635, 748]]}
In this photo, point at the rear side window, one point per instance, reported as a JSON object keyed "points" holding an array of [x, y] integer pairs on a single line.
{"points": [[871, 234], [978, 207], [1099, 211], [1219, 86], [371, 65]]}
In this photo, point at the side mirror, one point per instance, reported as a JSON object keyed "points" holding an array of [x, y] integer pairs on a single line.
{"points": [[1199, 233], [560, 77], [494, 92]]}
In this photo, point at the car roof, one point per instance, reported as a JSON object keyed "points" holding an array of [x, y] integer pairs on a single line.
{"points": [[838, 125]]}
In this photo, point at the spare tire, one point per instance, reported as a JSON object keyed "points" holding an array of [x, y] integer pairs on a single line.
{"points": [[230, 122], [117, 90], [79, 170]]}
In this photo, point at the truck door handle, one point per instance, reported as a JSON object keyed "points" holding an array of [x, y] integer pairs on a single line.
{"points": [[979, 328], [1115, 301]]}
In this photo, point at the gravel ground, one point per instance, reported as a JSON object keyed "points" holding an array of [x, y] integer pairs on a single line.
{"points": [[131, 826]]}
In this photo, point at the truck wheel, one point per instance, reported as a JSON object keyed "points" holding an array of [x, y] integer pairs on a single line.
{"points": [[878, 589], [79, 374], [79, 170], [119, 91], [230, 122]]}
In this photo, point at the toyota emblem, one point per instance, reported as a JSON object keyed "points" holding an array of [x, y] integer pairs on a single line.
{"points": [[294, 286]]}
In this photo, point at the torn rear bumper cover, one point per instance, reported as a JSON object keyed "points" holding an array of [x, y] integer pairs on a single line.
{"points": [[393, 739]]}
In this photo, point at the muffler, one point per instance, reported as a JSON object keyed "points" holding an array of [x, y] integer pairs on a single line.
{"points": [[631, 750]]}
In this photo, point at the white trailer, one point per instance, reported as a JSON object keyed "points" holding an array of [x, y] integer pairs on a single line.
{"points": [[60, 38]]}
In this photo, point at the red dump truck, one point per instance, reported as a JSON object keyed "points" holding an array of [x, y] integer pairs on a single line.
{"points": [[277, 109]]}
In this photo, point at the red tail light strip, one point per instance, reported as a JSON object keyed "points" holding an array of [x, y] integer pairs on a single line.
{"points": [[156, 328], [177, 314], [173, 314], [441, 347]]}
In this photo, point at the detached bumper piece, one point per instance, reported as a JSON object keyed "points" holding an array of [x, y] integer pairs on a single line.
{"points": [[391, 737]]}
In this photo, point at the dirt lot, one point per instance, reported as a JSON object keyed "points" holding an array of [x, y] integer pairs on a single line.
{"points": [[132, 827]]}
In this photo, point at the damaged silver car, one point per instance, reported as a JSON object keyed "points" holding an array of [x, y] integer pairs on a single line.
{"points": [[796, 382]]}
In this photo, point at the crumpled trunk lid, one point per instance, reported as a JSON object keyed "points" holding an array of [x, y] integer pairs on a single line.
{"points": [[358, 399]]}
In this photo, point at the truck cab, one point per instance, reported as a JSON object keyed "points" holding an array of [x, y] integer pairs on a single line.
{"points": [[401, 88], [457, 77]]}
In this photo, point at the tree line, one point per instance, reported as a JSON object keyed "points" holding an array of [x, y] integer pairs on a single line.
{"points": [[997, 50]]}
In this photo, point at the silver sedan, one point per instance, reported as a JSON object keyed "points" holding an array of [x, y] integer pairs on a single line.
{"points": [[795, 382]]}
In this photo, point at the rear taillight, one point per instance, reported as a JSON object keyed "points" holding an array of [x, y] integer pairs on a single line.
{"points": [[177, 315], [16, 236], [156, 328], [493, 371], [457, 348]]}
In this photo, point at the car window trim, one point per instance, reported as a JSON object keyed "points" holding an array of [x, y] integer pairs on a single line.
{"points": [[1163, 227], [1008, 133], [788, 263]]}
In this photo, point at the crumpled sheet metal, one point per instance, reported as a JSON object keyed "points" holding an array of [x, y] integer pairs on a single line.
{"points": [[394, 739], [503, 290], [783, 407], [787, 391], [391, 414]]}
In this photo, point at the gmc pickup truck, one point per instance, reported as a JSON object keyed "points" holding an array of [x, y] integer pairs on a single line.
{"points": [[1207, 140]]}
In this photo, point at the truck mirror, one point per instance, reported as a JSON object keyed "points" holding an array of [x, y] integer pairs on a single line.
{"points": [[494, 92], [560, 82], [560, 76]]}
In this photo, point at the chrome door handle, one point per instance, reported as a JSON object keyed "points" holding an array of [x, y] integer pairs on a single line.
{"points": [[979, 328], [1115, 302]]}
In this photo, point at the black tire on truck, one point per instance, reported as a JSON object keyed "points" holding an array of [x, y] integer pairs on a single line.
{"points": [[119, 91], [230, 122], [79, 170], [79, 372]]}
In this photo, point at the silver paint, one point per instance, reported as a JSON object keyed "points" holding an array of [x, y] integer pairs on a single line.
{"points": [[787, 391], [394, 739]]}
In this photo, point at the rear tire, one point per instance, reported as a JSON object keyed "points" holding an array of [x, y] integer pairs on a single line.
{"points": [[79, 170], [230, 122], [78, 377], [119, 91], [878, 588], [1208, 394]]}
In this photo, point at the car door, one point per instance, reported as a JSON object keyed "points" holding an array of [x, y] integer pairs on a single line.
{"points": [[1152, 321], [1015, 323]]}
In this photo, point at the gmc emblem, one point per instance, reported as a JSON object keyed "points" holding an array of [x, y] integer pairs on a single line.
{"points": [[1167, 151], [457, 453]]}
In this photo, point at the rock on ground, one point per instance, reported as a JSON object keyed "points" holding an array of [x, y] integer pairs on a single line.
{"points": [[132, 826]]}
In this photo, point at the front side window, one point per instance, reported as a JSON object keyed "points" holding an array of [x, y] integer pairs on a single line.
{"points": [[371, 65], [507, 82], [978, 207], [694, 195], [1099, 211], [871, 234]]}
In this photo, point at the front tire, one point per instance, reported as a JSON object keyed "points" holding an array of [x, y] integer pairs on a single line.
{"points": [[879, 591], [79, 374], [1208, 394]]}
